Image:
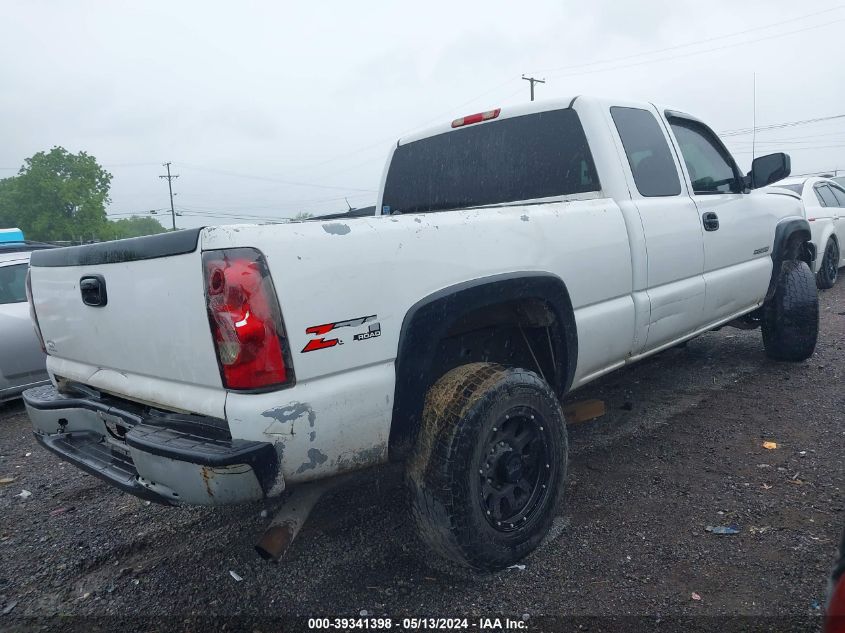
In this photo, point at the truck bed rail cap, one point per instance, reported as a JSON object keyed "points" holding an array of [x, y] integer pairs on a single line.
{"points": [[119, 251]]}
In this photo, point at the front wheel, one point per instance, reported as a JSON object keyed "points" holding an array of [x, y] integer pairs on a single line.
{"points": [[829, 266], [487, 471], [790, 320]]}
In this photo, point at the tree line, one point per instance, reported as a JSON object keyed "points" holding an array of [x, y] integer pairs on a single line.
{"points": [[60, 196]]}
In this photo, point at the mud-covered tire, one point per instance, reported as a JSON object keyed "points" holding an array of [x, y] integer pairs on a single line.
{"points": [[471, 450], [790, 319], [828, 266]]}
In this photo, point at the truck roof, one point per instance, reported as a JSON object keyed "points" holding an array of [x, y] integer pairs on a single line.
{"points": [[521, 110]]}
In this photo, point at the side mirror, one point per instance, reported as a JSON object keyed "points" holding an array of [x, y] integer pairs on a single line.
{"points": [[768, 169]]}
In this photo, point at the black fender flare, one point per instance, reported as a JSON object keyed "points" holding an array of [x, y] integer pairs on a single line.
{"points": [[429, 320], [788, 232]]}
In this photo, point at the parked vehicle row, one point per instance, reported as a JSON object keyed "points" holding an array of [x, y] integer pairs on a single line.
{"points": [[22, 361], [824, 208], [515, 255]]}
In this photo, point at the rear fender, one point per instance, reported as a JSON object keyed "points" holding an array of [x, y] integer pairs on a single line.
{"points": [[429, 320]]}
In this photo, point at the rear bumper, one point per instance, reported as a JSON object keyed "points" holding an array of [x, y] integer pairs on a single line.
{"points": [[160, 457]]}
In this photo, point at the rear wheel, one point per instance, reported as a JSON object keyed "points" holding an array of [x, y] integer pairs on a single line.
{"points": [[487, 472], [790, 319], [829, 266]]}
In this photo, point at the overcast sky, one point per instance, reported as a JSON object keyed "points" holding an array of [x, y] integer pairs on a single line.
{"points": [[270, 108]]}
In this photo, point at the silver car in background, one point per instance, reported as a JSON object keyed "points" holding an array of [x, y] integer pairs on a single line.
{"points": [[22, 362]]}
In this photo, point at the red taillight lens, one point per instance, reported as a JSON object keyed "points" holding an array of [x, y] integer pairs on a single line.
{"points": [[476, 118], [32, 314], [246, 322]]}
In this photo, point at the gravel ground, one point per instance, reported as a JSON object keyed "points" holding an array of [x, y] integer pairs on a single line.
{"points": [[680, 449]]}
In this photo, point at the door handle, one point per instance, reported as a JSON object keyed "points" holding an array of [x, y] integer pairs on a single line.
{"points": [[711, 221]]}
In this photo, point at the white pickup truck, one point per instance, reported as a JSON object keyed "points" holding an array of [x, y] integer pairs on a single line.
{"points": [[515, 255]]}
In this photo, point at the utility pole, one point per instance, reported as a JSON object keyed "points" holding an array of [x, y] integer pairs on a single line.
{"points": [[533, 81], [170, 188]]}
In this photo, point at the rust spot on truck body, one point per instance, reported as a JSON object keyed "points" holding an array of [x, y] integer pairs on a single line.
{"points": [[207, 475], [315, 458], [288, 413]]}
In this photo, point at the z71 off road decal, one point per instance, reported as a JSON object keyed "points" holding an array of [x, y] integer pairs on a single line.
{"points": [[373, 331], [321, 330]]}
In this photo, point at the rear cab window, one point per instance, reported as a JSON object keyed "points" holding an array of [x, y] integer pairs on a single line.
{"points": [[648, 152], [13, 283], [529, 157]]}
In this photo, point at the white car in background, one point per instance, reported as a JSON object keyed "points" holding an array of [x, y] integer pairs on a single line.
{"points": [[824, 208], [22, 362]]}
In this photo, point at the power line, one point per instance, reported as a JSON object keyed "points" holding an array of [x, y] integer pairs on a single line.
{"points": [[792, 139], [276, 204], [778, 126], [693, 43], [233, 174], [440, 117], [694, 53], [247, 218], [170, 188], [799, 149]]}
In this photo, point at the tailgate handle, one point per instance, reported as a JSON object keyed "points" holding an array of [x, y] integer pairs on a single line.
{"points": [[93, 289]]}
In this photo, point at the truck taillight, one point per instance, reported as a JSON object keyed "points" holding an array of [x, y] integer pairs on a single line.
{"points": [[476, 118], [32, 314], [246, 322]]}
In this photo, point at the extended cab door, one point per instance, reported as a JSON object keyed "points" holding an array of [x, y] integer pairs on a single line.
{"points": [[673, 300], [738, 228]]}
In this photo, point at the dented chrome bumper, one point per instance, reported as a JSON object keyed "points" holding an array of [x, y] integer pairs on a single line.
{"points": [[167, 458]]}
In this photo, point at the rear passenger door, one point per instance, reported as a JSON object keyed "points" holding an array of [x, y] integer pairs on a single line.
{"points": [[738, 228], [674, 296], [838, 219]]}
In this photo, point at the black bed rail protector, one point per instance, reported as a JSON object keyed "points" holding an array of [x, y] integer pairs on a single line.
{"points": [[119, 251]]}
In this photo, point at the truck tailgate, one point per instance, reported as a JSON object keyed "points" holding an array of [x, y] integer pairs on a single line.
{"points": [[153, 322]]}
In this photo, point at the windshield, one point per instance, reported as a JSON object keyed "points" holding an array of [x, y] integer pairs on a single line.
{"points": [[521, 158]]}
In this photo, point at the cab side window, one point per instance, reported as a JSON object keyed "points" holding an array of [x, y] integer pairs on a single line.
{"points": [[710, 167], [648, 152], [13, 283], [839, 194], [825, 195]]}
